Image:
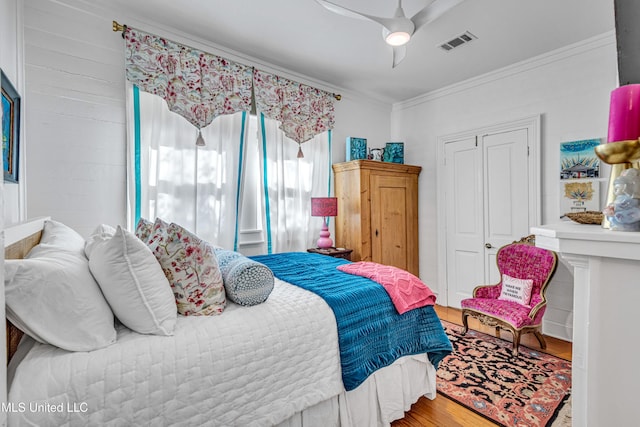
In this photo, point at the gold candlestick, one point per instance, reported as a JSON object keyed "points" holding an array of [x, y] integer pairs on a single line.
{"points": [[620, 155]]}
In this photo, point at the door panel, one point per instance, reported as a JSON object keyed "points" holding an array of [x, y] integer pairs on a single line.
{"points": [[506, 193], [391, 216], [465, 251]]}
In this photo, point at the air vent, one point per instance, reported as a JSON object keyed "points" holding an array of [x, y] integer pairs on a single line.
{"points": [[462, 39]]}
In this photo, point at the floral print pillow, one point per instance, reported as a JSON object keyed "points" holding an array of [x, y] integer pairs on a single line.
{"points": [[144, 229], [191, 267]]}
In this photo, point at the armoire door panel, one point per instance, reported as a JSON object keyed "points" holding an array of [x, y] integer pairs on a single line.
{"points": [[390, 223]]}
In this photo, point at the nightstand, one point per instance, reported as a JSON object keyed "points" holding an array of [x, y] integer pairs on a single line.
{"points": [[334, 252]]}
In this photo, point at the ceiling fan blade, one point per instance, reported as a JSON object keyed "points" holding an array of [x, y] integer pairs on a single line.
{"points": [[433, 11], [385, 22], [399, 52]]}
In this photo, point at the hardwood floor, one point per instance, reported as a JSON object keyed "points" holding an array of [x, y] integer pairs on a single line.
{"points": [[444, 412]]}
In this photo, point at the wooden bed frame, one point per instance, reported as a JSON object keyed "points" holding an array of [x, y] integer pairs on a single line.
{"points": [[19, 240]]}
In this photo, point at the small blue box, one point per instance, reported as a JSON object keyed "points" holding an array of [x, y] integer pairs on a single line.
{"points": [[394, 152], [356, 148]]}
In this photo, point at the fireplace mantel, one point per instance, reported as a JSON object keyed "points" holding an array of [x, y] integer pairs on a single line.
{"points": [[606, 331]]}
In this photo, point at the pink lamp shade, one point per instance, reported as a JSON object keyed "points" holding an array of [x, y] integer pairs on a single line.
{"points": [[624, 113], [325, 207]]}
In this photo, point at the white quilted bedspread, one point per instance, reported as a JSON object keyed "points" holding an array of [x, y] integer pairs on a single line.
{"points": [[250, 366]]}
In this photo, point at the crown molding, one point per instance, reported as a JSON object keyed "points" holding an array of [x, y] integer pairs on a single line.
{"points": [[593, 43]]}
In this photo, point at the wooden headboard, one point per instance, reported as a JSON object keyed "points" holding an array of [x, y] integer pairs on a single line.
{"points": [[18, 241]]}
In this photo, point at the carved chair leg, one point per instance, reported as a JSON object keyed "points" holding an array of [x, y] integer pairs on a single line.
{"points": [[465, 322], [516, 342], [543, 343]]}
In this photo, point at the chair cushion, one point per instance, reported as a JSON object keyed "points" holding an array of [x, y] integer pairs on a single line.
{"points": [[512, 312]]}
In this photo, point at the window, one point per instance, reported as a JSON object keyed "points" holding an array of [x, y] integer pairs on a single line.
{"points": [[251, 233], [197, 187]]}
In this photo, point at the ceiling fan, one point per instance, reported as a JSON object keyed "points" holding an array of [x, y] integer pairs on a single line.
{"points": [[397, 31]]}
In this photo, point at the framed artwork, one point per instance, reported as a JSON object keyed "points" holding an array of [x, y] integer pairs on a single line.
{"points": [[579, 196], [394, 152], [10, 129], [578, 160], [356, 148]]}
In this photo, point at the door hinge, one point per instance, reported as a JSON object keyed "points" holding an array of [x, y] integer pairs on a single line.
{"points": [[527, 151], [476, 140]]}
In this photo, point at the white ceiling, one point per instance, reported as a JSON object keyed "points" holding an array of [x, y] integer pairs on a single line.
{"points": [[350, 54]]}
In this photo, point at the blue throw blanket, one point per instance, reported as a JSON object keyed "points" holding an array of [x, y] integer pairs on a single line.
{"points": [[371, 333]]}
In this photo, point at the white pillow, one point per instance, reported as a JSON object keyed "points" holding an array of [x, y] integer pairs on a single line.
{"points": [[52, 296], [516, 290], [134, 284], [61, 236], [100, 234]]}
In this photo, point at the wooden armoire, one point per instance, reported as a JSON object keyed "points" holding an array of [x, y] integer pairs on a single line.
{"points": [[378, 212]]}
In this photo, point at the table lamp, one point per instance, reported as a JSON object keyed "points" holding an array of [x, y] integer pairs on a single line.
{"points": [[325, 207]]}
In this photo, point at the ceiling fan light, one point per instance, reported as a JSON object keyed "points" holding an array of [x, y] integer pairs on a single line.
{"points": [[397, 38]]}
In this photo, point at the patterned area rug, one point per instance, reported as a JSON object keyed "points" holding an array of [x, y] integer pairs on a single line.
{"points": [[482, 375]]}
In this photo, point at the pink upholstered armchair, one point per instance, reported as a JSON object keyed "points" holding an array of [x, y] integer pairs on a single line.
{"points": [[531, 267]]}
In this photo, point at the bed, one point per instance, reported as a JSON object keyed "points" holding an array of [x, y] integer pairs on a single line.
{"points": [[275, 363]]}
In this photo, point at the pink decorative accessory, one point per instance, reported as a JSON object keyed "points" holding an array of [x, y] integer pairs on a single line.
{"points": [[406, 290], [624, 113], [325, 207]]}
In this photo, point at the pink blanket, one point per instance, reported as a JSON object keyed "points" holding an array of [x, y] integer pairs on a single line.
{"points": [[406, 290]]}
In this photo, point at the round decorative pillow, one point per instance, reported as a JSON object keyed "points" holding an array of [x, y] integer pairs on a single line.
{"points": [[246, 282]]}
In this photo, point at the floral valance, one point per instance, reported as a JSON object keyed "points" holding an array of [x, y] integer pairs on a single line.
{"points": [[200, 86], [195, 84], [303, 111]]}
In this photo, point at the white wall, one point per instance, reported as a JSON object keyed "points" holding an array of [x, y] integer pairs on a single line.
{"points": [[76, 117], [363, 119], [76, 89], [570, 88]]}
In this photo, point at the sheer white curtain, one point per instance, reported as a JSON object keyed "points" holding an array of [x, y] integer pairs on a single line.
{"points": [[196, 187], [291, 182]]}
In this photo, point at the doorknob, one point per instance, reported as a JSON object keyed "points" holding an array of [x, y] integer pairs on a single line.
{"points": [[488, 245]]}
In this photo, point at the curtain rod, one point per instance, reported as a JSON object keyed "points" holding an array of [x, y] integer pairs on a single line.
{"points": [[122, 28]]}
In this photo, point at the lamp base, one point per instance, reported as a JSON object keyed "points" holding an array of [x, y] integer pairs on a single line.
{"points": [[324, 242], [621, 155]]}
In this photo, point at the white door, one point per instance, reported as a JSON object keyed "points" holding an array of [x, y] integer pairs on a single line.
{"points": [[506, 194], [464, 219], [487, 206]]}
